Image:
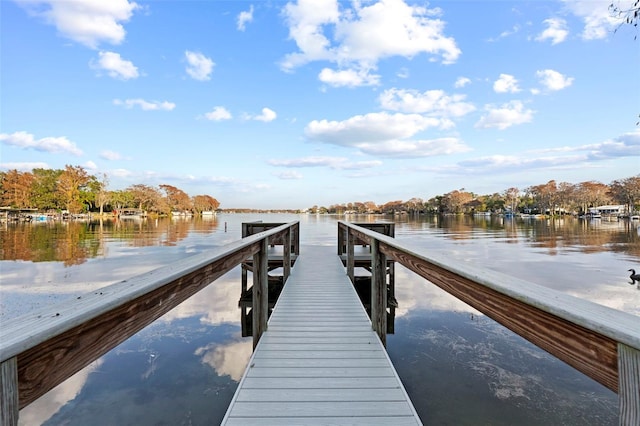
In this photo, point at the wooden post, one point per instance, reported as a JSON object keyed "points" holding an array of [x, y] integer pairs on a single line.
{"points": [[341, 233], [392, 280], [243, 279], [296, 239], [351, 260], [286, 259], [629, 385], [9, 392], [260, 291], [378, 291]]}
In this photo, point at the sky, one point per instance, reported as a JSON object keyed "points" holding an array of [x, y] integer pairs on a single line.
{"points": [[275, 104]]}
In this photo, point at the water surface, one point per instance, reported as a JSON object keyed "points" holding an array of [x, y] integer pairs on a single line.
{"points": [[458, 366]]}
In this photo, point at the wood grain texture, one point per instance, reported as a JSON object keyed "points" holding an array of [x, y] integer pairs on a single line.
{"points": [[286, 260], [9, 392], [378, 292], [629, 389], [260, 291]]}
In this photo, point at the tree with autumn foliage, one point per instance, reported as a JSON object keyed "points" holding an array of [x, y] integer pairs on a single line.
{"points": [[17, 188], [545, 196], [145, 197], [203, 203], [627, 192], [176, 199], [591, 194], [71, 188], [456, 199]]}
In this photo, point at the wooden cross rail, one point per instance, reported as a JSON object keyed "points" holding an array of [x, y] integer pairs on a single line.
{"points": [[42, 349], [601, 342]]}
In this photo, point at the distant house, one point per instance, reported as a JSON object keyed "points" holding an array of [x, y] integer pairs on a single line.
{"points": [[608, 210]]}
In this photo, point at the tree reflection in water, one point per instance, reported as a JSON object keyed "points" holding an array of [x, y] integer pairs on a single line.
{"points": [[458, 366]]}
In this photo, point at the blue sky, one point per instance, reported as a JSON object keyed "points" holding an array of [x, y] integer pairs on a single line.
{"points": [[274, 104]]}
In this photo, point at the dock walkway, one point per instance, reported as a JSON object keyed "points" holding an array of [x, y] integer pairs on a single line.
{"points": [[320, 362]]}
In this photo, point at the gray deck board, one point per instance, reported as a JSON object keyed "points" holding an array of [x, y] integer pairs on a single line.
{"points": [[319, 362]]}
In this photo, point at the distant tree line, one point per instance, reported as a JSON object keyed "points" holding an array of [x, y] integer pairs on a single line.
{"points": [[550, 198], [75, 190]]}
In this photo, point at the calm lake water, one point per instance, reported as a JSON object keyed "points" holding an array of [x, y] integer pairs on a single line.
{"points": [[458, 366]]}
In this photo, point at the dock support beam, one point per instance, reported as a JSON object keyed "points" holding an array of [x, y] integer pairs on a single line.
{"points": [[351, 260], [286, 258], [378, 291], [9, 392], [629, 385], [260, 291]]}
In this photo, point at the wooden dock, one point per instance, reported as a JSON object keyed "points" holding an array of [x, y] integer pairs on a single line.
{"points": [[320, 362]]}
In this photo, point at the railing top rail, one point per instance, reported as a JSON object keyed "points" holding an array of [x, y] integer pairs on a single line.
{"points": [[620, 326], [27, 331]]}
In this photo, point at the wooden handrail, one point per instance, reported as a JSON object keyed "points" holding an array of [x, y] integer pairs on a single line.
{"points": [[601, 342], [39, 350]]}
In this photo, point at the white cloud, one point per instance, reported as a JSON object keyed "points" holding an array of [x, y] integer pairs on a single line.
{"points": [[122, 173], [384, 134], [506, 84], [370, 127], [338, 163], [306, 19], [218, 113], [90, 165], [461, 82], [553, 80], [244, 17], [89, 22], [115, 66], [599, 22], [506, 33], [266, 116], [556, 31], [505, 116], [357, 165], [49, 144], [357, 38], [199, 66], [348, 78], [626, 145], [145, 105], [433, 102], [110, 155], [414, 148], [289, 175], [24, 166]]}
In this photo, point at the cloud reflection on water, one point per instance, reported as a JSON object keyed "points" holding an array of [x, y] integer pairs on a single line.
{"points": [[229, 359], [49, 404], [215, 305]]}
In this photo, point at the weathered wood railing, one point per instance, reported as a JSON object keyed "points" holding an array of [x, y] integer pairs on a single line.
{"points": [[42, 349], [290, 244], [600, 342]]}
